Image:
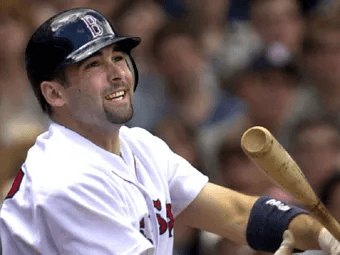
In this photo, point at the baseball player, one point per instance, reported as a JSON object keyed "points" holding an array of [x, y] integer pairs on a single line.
{"points": [[91, 185]]}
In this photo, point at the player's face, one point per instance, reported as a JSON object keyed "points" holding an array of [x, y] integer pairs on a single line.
{"points": [[101, 89]]}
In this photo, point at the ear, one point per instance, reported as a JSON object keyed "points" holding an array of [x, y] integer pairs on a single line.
{"points": [[51, 90]]}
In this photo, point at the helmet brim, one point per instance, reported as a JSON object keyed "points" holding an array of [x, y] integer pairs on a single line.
{"points": [[126, 44]]}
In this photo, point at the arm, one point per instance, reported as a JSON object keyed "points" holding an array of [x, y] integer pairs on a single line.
{"points": [[219, 210], [226, 212]]}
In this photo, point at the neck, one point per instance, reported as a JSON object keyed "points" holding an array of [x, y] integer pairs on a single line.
{"points": [[106, 138]]}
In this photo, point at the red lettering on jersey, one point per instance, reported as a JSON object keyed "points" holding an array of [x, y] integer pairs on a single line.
{"points": [[142, 224], [16, 184], [171, 219], [163, 225], [142, 228], [157, 204]]}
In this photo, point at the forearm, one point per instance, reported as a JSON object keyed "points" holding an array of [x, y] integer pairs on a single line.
{"points": [[221, 211], [259, 223]]}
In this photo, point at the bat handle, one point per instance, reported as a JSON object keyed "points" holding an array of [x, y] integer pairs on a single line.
{"points": [[321, 213]]}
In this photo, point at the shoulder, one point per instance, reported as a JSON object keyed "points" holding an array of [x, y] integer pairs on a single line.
{"points": [[136, 132], [48, 171], [46, 184], [152, 150], [153, 153], [142, 138]]}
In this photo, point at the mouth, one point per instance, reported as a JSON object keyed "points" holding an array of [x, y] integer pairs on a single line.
{"points": [[116, 96]]}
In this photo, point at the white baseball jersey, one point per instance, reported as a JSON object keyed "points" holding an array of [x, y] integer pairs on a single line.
{"points": [[73, 197]]}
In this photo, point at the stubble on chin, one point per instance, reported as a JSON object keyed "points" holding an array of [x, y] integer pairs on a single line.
{"points": [[119, 117]]}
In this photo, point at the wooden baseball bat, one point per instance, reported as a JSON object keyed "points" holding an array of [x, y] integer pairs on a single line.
{"points": [[269, 155]]}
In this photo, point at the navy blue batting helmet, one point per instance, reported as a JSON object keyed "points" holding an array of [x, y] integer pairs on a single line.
{"points": [[67, 38]]}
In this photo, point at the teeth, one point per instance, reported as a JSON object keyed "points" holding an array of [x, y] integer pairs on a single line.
{"points": [[119, 94]]}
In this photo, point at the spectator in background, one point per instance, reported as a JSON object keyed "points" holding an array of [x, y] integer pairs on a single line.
{"points": [[210, 18], [41, 10], [274, 96], [144, 19], [19, 111], [280, 25], [321, 58], [190, 83], [315, 147], [192, 88], [228, 45]]}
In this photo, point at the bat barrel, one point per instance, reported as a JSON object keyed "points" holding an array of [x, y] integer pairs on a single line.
{"points": [[270, 157], [256, 141]]}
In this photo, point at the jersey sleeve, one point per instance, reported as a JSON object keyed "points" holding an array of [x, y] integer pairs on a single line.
{"points": [[88, 219], [184, 181]]}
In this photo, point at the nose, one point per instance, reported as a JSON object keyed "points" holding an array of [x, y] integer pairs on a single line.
{"points": [[114, 72]]}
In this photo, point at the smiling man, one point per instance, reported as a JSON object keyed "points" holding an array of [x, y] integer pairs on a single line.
{"points": [[91, 185], [99, 98]]}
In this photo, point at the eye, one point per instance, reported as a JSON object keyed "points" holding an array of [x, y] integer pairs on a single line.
{"points": [[92, 64], [118, 58]]}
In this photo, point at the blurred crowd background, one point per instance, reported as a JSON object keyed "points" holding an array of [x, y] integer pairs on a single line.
{"points": [[209, 69]]}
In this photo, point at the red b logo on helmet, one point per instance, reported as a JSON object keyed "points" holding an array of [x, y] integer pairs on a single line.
{"points": [[93, 25]]}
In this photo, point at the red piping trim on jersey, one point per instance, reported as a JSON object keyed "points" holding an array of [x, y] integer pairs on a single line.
{"points": [[16, 184]]}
